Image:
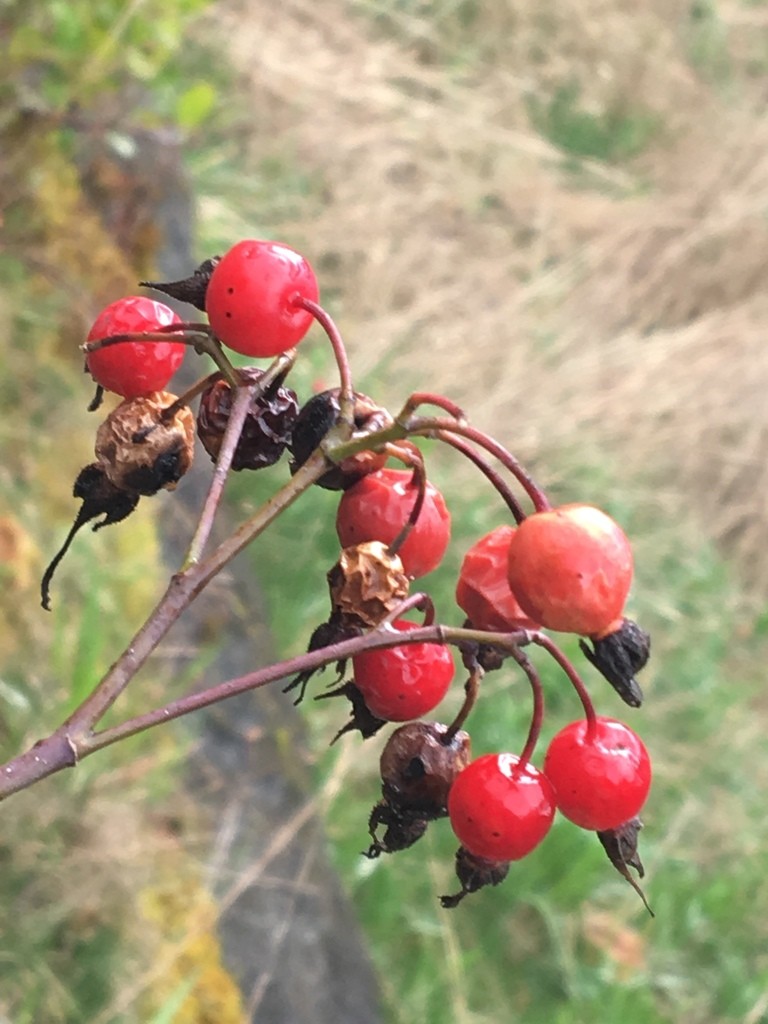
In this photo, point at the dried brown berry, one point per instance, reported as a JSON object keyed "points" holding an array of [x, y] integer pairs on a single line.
{"points": [[143, 449], [367, 583], [418, 768], [485, 656], [267, 427], [474, 873], [316, 418]]}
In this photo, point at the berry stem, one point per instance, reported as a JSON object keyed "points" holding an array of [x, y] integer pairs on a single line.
{"points": [[429, 398], [374, 640], [537, 716], [433, 427], [75, 738], [189, 395], [346, 391], [542, 640], [182, 590], [471, 692], [419, 480], [240, 406], [198, 336], [420, 601], [497, 481]]}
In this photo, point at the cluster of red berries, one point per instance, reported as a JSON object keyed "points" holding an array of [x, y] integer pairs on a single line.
{"points": [[566, 569]]}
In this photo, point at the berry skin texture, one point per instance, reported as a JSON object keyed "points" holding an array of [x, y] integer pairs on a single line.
{"points": [[571, 569], [601, 780], [134, 368], [250, 298], [402, 683], [483, 592], [377, 507], [499, 809]]}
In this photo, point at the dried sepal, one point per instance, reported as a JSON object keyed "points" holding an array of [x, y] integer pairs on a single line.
{"points": [[267, 427], [367, 583], [474, 873], [100, 497], [620, 844], [361, 718], [324, 635], [402, 828], [618, 655], [141, 448], [190, 289], [477, 655]]}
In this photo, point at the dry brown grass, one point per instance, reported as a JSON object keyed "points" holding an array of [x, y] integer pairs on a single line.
{"points": [[628, 300]]}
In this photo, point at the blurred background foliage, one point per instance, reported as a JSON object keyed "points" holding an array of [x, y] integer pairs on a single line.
{"points": [[555, 215]]}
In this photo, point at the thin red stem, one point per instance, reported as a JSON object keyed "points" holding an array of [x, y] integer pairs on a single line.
{"points": [[537, 715], [375, 640], [420, 601], [346, 391], [150, 337], [433, 426], [419, 480], [497, 481], [471, 693], [542, 640], [198, 336], [430, 398]]}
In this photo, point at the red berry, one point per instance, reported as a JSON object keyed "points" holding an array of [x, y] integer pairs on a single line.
{"points": [[251, 296], [134, 368], [571, 568], [483, 592], [402, 683], [501, 809], [601, 777], [377, 508]]}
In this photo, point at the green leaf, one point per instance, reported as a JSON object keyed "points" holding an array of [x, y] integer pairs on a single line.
{"points": [[195, 104]]}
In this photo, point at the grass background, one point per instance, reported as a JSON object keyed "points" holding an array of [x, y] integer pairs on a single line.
{"points": [[558, 218]]}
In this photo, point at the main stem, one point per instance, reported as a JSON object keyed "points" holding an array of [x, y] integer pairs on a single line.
{"points": [[75, 738]]}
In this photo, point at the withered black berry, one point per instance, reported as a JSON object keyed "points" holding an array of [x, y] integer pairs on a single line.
{"points": [[268, 423], [316, 418]]}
